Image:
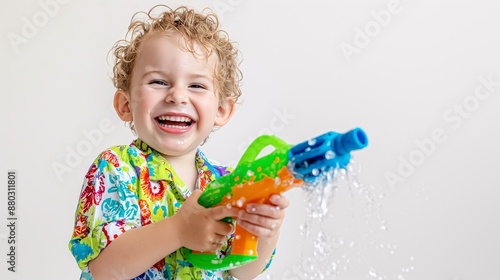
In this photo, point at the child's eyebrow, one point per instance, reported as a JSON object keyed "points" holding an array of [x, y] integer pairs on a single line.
{"points": [[195, 75], [153, 72], [201, 76]]}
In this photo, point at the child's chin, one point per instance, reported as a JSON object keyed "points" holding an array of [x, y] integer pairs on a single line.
{"points": [[176, 147]]}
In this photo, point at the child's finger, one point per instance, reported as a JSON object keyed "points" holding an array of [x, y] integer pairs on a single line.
{"points": [[223, 228], [264, 210], [196, 194], [279, 200], [258, 226], [220, 212]]}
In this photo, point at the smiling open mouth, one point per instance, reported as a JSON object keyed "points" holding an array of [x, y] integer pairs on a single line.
{"points": [[174, 121]]}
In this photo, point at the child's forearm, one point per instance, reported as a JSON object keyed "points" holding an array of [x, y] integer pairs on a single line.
{"points": [[265, 250], [136, 250]]}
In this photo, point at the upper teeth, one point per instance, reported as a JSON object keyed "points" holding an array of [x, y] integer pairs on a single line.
{"points": [[174, 118]]}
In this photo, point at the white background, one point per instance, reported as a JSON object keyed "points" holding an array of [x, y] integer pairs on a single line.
{"points": [[437, 218]]}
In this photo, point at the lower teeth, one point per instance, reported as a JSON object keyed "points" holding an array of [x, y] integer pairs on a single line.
{"points": [[173, 126]]}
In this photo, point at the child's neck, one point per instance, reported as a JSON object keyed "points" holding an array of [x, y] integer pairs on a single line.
{"points": [[185, 169]]}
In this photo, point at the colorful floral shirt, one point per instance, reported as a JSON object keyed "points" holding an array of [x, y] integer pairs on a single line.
{"points": [[132, 186]]}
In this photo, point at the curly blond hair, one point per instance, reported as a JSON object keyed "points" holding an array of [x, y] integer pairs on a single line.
{"points": [[198, 29]]}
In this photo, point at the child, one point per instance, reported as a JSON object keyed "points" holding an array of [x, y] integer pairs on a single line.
{"points": [[177, 78]]}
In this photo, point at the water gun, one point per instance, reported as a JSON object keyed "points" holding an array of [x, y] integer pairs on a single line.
{"points": [[254, 180]]}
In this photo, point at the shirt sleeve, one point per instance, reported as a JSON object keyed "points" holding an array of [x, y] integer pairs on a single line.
{"points": [[107, 207]]}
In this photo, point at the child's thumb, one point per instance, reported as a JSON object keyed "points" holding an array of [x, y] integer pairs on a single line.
{"points": [[195, 195]]}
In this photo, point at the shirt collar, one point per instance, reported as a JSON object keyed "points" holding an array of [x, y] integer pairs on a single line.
{"points": [[160, 169]]}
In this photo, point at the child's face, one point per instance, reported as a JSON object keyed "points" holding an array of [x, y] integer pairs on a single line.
{"points": [[171, 99]]}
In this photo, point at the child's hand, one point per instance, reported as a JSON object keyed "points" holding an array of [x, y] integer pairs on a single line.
{"points": [[264, 220], [200, 228]]}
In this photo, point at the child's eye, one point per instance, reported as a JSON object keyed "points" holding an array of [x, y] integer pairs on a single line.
{"points": [[158, 82], [197, 86]]}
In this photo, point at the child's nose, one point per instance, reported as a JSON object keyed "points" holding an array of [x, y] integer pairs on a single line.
{"points": [[176, 95]]}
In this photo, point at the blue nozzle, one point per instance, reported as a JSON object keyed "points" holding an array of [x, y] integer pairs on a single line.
{"points": [[330, 150], [352, 140]]}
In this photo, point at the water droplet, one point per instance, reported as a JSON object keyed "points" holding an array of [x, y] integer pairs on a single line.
{"points": [[372, 273], [383, 226], [229, 206], [237, 237], [250, 173], [315, 172], [216, 261], [329, 155], [311, 141], [320, 245], [240, 202], [304, 229], [277, 182], [250, 252]]}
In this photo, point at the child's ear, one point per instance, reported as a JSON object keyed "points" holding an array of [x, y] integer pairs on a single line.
{"points": [[121, 103], [224, 113]]}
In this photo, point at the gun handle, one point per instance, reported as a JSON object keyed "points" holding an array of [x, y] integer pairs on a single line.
{"points": [[244, 251], [245, 243]]}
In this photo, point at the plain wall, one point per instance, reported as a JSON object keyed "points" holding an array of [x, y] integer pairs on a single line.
{"points": [[422, 78]]}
